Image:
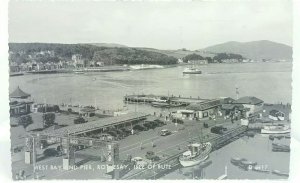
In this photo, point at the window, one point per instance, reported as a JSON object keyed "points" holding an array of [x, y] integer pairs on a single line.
{"points": [[205, 114]]}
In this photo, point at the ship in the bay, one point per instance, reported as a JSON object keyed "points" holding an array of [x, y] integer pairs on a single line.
{"points": [[191, 71]]}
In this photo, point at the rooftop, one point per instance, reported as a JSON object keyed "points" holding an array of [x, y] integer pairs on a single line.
{"points": [[18, 93], [248, 100], [204, 105], [98, 124]]}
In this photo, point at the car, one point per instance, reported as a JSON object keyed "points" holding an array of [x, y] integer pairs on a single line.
{"points": [[148, 125], [126, 132], [106, 137], [165, 132], [177, 120], [139, 161], [79, 147], [139, 128], [151, 156], [50, 152], [159, 122]]}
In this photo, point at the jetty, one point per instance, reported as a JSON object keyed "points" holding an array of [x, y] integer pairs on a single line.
{"points": [[172, 161]]}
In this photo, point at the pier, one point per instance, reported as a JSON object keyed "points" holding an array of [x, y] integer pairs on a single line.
{"points": [[173, 162], [174, 100]]}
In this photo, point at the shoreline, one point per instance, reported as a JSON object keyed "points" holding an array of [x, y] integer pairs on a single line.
{"points": [[121, 68]]}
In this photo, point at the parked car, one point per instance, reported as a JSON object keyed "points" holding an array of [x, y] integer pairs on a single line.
{"points": [[159, 122], [165, 132], [125, 131], [218, 129], [149, 125], [139, 161], [50, 152], [177, 120], [151, 156], [139, 128], [106, 137], [79, 147]]}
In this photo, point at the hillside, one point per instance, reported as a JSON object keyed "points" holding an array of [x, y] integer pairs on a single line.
{"points": [[110, 55], [179, 53], [108, 45], [256, 50]]}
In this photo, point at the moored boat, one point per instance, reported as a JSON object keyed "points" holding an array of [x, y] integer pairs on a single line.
{"points": [[145, 67], [79, 71], [280, 147], [160, 104], [276, 129], [236, 161], [247, 164], [261, 168], [196, 154], [16, 74], [277, 172], [191, 71]]}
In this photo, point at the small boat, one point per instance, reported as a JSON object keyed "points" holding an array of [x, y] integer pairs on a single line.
{"points": [[277, 172], [16, 74], [145, 67], [287, 136], [276, 129], [191, 71], [160, 104], [196, 154], [78, 71], [248, 165], [259, 168], [280, 147], [237, 161]]}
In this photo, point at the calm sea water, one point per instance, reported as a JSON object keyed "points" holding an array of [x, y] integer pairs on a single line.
{"points": [[268, 81]]}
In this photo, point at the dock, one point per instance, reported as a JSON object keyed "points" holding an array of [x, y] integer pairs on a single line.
{"points": [[173, 162], [174, 100]]}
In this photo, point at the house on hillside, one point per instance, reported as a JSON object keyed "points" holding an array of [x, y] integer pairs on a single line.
{"points": [[198, 62], [77, 60]]}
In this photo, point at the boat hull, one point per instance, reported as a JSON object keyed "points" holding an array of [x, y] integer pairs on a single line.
{"points": [[193, 162], [264, 131], [198, 72]]}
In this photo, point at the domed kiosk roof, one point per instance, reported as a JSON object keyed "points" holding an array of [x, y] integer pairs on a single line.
{"points": [[18, 93]]}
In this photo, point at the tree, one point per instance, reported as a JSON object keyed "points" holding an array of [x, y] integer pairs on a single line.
{"points": [[25, 120], [48, 119], [192, 57], [56, 108], [79, 120]]}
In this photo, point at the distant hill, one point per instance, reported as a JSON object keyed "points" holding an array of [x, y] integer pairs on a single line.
{"points": [[108, 45], [256, 50], [179, 53]]}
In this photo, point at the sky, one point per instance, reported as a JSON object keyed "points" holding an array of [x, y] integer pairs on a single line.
{"points": [[163, 25]]}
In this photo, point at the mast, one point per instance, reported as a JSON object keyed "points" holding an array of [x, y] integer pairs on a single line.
{"points": [[237, 92]]}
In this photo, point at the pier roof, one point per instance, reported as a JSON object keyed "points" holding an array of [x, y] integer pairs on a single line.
{"points": [[101, 123], [188, 100], [204, 105], [248, 100]]}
